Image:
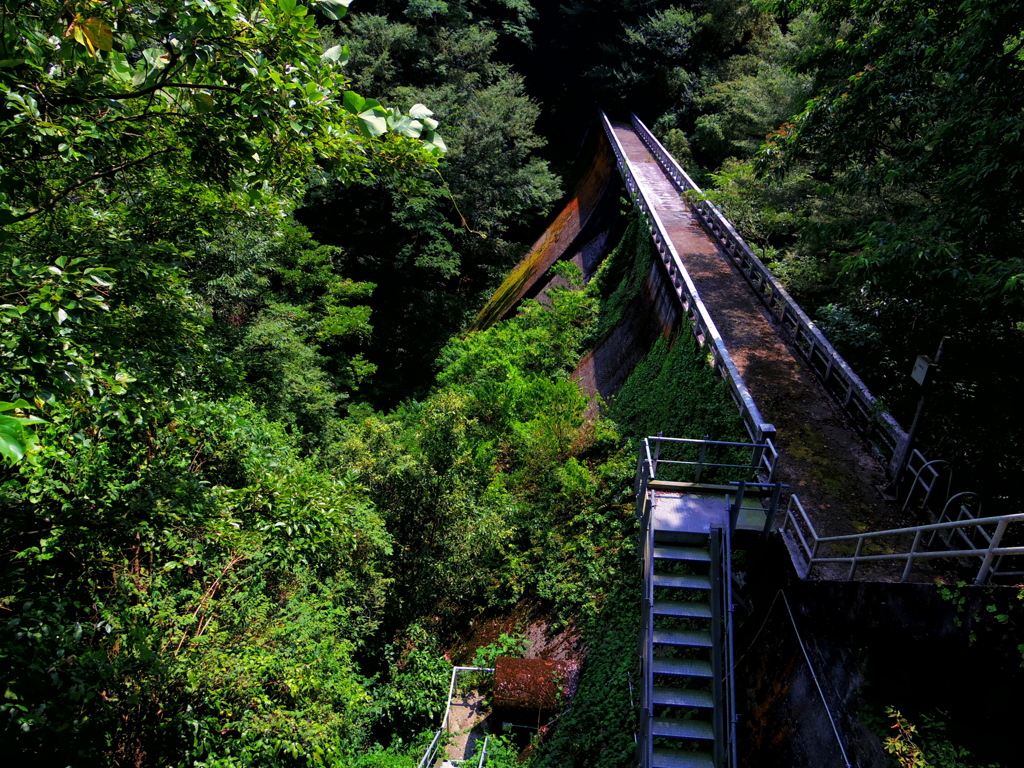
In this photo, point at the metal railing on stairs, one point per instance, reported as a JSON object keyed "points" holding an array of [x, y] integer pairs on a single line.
{"points": [[723, 691], [646, 740], [439, 742], [760, 467], [723, 662]]}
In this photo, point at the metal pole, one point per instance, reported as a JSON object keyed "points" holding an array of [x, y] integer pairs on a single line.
{"points": [[986, 565], [908, 446], [773, 508], [853, 563], [910, 557], [734, 511], [700, 459]]}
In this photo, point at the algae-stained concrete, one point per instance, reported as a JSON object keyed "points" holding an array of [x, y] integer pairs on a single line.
{"points": [[567, 231]]}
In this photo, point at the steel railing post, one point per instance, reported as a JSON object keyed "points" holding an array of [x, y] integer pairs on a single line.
{"points": [[734, 510], [986, 564], [700, 460], [773, 507], [910, 557], [856, 554]]}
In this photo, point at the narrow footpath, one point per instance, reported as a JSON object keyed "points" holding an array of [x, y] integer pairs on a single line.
{"points": [[823, 459]]}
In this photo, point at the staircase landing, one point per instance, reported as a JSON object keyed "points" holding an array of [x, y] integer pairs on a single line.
{"points": [[679, 515]]}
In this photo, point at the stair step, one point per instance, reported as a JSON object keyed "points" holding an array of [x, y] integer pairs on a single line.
{"points": [[682, 697], [692, 638], [682, 729], [692, 554], [670, 758], [682, 581], [692, 610], [682, 667]]}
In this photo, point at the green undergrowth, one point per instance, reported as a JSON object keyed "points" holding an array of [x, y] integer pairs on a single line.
{"points": [[673, 391], [922, 743], [620, 276], [598, 727]]}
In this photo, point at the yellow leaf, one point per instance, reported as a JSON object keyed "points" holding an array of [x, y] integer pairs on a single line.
{"points": [[99, 33], [94, 33]]}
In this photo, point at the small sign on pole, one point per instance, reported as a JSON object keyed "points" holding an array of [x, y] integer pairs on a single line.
{"points": [[923, 367]]}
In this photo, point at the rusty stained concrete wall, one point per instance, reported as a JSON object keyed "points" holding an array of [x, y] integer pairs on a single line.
{"points": [[654, 311], [576, 230]]}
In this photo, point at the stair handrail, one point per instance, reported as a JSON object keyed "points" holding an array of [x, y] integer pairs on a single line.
{"points": [[693, 306], [852, 394], [723, 663], [645, 745], [718, 662], [431, 752], [730, 663], [763, 457], [989, 554]]}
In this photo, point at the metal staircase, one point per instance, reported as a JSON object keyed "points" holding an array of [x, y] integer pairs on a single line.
{"points": [[683, 659], [687, 691], [687, 707]]}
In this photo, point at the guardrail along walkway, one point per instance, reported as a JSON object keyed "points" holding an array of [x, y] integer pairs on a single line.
{"points": [[823, 459]]}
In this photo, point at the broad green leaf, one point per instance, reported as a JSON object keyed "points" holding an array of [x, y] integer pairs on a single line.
{"points": [[11, 406], [372, 124], [203, 101], [407, 127], [10, 447], [157, 58], [336, 53], [434, 142], [119, 67], [419, 111], [333, 9], [353, 102]]}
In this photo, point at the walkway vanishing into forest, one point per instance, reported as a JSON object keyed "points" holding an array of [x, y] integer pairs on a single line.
{"points": [[828, 431], [822, 458], [801, 438]]}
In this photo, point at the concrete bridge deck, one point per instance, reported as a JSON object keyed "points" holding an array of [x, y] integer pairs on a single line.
{"points": [[823, 459]]}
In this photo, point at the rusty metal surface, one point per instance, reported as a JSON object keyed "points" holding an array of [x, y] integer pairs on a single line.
{"points": [[534, 684]]}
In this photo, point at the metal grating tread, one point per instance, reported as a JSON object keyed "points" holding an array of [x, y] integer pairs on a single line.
{"points": [[682, 581], [692, 610], [682, 697], [682, 667], [682, 729], [692, 554], [692, 638], [670, 758]]}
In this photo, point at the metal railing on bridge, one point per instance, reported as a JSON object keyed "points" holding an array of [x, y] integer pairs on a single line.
{"points": [[839, 380], [700, 319], [966, 537]]}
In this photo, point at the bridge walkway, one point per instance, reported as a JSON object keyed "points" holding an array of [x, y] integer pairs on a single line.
{"points": [[822, 458]]}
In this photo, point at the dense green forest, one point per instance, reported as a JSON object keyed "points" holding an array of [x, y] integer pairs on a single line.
{"points": [[257, 480]]}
